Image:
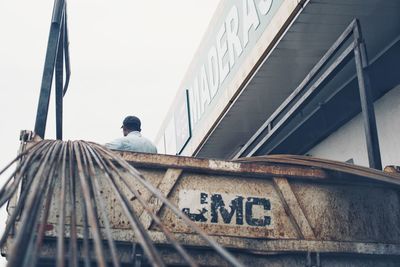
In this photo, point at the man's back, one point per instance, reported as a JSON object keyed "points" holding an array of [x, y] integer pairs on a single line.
{"points": [[133, 141]]}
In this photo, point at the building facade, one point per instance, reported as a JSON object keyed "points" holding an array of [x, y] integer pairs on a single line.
{"points": [[312, 77]]}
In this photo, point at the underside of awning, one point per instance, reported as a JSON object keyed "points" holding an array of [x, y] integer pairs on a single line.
{"points": [[306, 40]]}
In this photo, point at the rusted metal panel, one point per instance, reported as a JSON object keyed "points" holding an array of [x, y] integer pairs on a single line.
{"points": [[334, 211], [165, 186], [206, 257], [225, 193], [293, 208], [258, 169], [351, 213], [262, 208], [392, 169], [98, 181], [363, 174]]}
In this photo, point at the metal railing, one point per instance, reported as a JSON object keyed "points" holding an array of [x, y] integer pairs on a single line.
{"points": [[312, 83]]}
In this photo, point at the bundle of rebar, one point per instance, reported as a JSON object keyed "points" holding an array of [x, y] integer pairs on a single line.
{"points": [[71, 169]]}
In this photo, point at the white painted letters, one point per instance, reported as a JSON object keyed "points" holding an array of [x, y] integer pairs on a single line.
{"points": [[229, 45], [204, 91], [250, 19], [232, 30], [196, 101], [222, 49], [264, 6], [213, 75]]}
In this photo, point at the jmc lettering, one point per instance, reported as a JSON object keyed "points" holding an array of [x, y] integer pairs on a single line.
{"points": [[225, 209]]}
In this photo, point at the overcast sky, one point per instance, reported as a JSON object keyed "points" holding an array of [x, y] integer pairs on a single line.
{"points": [[127, 58]]}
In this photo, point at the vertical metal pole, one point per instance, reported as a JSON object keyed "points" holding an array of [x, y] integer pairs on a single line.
{"points": [[367, 104], [59, 82], [47, 79], [66, 51]]}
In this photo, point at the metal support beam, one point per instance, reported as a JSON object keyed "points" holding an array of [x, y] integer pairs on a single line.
{"points": [[66, 52], [325, 77], [47, 78], [268, 125], [308, 88], [59, 83], [367, 104]]}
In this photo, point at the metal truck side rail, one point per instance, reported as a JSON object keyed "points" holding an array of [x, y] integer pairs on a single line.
{"points": [[79, 204]]}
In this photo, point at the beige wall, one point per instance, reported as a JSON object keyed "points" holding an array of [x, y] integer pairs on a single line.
{"points": [[348, 142]]}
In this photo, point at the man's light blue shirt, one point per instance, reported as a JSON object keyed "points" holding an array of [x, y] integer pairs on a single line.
{"points": [[134, 142]]}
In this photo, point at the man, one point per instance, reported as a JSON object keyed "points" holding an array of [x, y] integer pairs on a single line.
{"points": [[133, 139]]}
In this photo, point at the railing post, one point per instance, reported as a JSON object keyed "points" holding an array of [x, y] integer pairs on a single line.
{"points": [[367, 104]]}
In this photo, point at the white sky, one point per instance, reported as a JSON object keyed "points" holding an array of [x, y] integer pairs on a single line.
{"points": [[128, 58]]}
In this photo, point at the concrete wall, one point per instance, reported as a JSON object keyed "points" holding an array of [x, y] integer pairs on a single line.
{"points": [[348, 142]]}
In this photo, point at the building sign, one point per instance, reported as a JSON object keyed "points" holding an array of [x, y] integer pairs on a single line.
{"points": [[182, 122], [233, 33], [226, 209], [178, 131], [234, 37], [161, 145], [170, 137]]}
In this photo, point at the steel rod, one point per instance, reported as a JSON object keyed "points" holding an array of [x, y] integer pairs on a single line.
{"points": [[48, 198], [47, 78], [86, 231], [156, 219], [59, 77], [73, 168], [61, 205], [222, 251], [136, 225], [28, 217], [96, 189], [9, 189], [73, 246], [92, 218], [25, 190]]}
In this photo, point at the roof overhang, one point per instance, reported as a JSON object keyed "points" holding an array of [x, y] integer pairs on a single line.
{"points": [[295, 37], [305, 41]]}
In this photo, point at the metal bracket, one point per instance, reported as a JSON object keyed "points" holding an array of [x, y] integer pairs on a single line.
{"points": [[26, 136], [165, 186], [137, 255], [313, 259], [293, 209]]}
